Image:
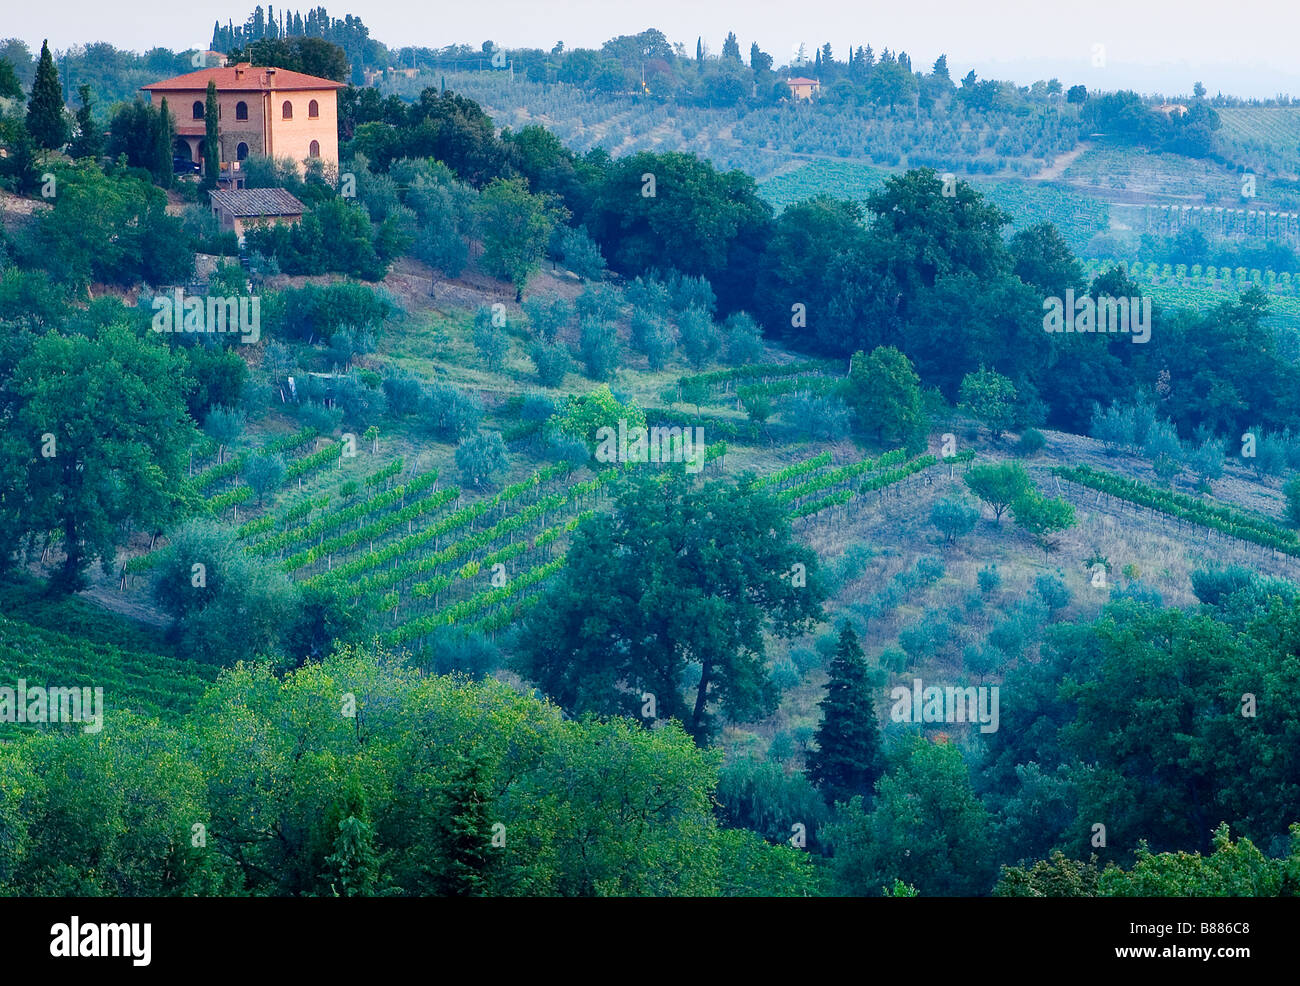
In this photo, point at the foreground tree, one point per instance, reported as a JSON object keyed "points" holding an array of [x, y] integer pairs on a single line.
{"points": [[678, 574], [437, 785], [926, 828]]}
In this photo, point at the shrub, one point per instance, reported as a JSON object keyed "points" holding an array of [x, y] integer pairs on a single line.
{"points": [[1052, 591], [784, 675], [1010, 634], [536, 407], [929, 570], [691, 292], [491, 342], [744, 339], [325, 420], [762, 796], [449, 414], [547, 314], [650, 295], [404, 393], [1292, 491], [922, 640], [894, 659], [1032, 441], [953, 518], [700, 339], [473, 655], [602, 301], [599, 348], [481, 459], [552, 363], [653, 336], [1140, 592], [580, 253], [818, 416], [264, 473]]}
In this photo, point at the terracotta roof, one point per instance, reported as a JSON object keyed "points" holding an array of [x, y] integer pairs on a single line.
{"points": [[800, 81], [246, 203], [244, 78]]}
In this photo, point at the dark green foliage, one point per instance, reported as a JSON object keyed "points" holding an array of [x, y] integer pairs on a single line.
{"points": [[848, 758], [1031, 442], [926, 828], [770, 800], [231, 606], [112, 411], [552, 363], [111, 229], [953, 518], [686, 573], [45, 118], [211, 143], [337, 236], [481, 459], [89, 142]]}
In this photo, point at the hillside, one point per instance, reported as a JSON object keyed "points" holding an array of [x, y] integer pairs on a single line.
{"points": [[611, 472]]}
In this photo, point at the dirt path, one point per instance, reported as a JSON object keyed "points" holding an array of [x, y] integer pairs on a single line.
{"points": [[1063, 161]]}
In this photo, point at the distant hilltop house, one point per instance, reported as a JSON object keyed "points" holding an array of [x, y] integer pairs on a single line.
{"points": [[1171, 109], [801, 88], [238, 208], [270, 111], [373, 76]]}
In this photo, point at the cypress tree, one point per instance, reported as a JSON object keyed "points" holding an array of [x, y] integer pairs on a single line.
{"points": [[211, 149], [848, 756], [468, 861], [164, 135], [45, 120], [699, 50], [354, 868], [89, 142]]}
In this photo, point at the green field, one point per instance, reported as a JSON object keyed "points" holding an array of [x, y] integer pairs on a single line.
{"points": [[1133, 169], [91, 648], [1266, 135]]}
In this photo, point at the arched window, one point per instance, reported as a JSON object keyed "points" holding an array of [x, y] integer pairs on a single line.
{"points": [[286, 111], [241, 110], [198, 109], [313, 110], [241, 151], [313, 149]]}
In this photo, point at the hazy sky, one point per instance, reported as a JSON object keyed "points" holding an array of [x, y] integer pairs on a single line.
{"points": [[1246, 48]]}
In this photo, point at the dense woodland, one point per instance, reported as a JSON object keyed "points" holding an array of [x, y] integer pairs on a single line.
{"points": [[532, 672]]}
